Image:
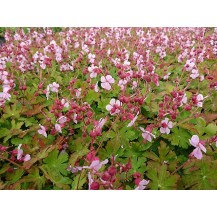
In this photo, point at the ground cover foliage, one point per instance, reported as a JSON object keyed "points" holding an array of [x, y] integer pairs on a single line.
{"points": [[108, 108]]}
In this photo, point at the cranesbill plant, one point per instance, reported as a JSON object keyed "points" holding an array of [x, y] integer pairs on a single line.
{"points": [[108, 108]]}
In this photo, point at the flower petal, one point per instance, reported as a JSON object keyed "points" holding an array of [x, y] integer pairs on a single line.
{"points": [[170, 124], [108, 107], [106, 85], [202, 147], [194, 140], [142, 129], [112, 101], [197, 153], [103, 79], [163, 130]]}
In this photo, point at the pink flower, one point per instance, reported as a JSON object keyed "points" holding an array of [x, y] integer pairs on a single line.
{"points": [[75, 118], [194, 73], [58, 128], [101, 122], [74, 169], [165, 126], [64, 103], [156, 79], [96, 164], [167, 76], [85, 48], [199, 100], [133, 121], [198, 147], [135, 84], [96, 89], [27, 157], [201, 77], [189, 65], [42, 131], [76, 45], [92, 71], [91, 57], [113, 107], [20, 152], [184, 99], [78, 92], [142, 185], [122, 83], [90, 180], [147, 135], [5, 96], [106, 81], [62, 119], [47, 92], [54, 87]]}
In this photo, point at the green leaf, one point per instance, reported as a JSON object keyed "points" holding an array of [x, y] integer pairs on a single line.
{"points": [[4, 132], [180, 137], [200, 174], [35, 177], [110, 134], [211, 129], [92, 96], [16, 141], [165, 156], [55, 168], [57, 161], [161, 179], [79, 181], [28, 121], [14, 177], [200, 124], [126, 134], [12, 111]]}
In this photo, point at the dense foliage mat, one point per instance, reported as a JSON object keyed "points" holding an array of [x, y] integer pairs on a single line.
{"points": [[108, 108]]}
